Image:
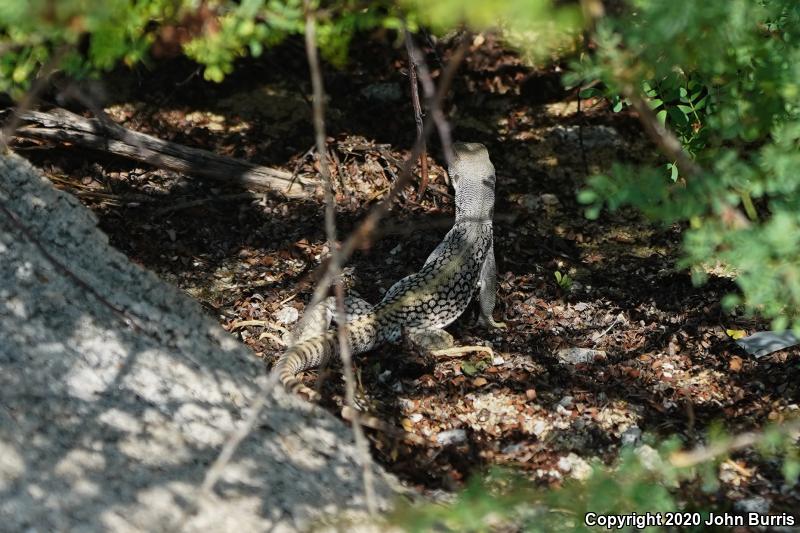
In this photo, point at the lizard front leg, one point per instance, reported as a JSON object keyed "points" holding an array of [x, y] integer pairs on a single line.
{"points": [[438, 343], [487, 291]]}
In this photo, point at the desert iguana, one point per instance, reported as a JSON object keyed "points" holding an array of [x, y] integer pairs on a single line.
{"points": [[419, 306]]}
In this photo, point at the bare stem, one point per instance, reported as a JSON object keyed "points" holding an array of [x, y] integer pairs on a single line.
{"points": [[664, 138], [702, 454], [429, 88], [360, 236], [214, 472], [412, 78], [336, 264]]}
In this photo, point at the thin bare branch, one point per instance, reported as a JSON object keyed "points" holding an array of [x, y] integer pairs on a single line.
{"points": [[336, 264], [701, 454], [214, 472], [429, 88], [365, 230], [414, 83], [664, 138]]}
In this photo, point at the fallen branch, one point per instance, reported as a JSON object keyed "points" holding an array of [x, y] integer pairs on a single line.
{"points": [[63, 126]]}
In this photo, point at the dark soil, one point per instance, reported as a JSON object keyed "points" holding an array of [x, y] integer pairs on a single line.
{"points": [[666, 365]]}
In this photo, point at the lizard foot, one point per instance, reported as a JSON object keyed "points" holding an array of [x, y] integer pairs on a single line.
{"points": [[489, 322]]}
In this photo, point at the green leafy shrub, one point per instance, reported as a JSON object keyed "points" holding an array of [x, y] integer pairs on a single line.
{"points": [[643, 480], [725, 76], [88, 37], [537, 28]]}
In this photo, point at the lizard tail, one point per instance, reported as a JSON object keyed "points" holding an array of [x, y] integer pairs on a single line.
{"points": [[310, 353]]}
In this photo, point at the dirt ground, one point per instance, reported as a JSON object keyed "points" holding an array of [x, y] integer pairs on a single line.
{"points": [[660, 360]]}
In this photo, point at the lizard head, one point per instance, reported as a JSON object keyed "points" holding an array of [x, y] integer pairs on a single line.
{"points": [[473, 177]]}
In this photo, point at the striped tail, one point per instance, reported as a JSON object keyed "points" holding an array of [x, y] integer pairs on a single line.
{"points": [[310, 353]]}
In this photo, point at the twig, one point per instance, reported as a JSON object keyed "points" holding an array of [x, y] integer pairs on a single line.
{"points": [[702, 454], [429, 89], [246, 323], [580, 118], [214, 472], [664, 138], [367, 228], [377, 424], [457, 351], [670, 146], [412, 77], [336, 264], [600, 337], [299, 164]]}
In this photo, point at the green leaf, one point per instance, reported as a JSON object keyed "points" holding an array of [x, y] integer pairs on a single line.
{"points": [[673, 172], [587, 196], [590, 93], [791, 470], [468, 368]]}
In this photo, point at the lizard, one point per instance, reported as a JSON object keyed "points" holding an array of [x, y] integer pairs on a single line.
{"points": [[419, 306]]}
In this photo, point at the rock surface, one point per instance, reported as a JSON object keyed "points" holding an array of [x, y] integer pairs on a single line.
{"points": [[109, 421]]}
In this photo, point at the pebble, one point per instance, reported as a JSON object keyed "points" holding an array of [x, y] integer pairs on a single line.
{"points": [[649, 458], [756, 504], [451, 436], [577, 467], [511, 449], [574, 356], [563, 412], [287, 315], [631, 436], [549, 199]]}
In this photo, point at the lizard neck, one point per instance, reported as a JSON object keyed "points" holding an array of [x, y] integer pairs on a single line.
{"points": [[474, 203]]}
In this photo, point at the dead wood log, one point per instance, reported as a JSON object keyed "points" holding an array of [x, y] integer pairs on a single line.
{"points": [[67, 127]]}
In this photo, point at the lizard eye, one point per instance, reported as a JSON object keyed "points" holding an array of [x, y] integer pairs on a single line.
{"points": [[489, 181]]}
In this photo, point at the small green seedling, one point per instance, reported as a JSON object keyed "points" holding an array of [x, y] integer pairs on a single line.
{"points": [[563, 280]]}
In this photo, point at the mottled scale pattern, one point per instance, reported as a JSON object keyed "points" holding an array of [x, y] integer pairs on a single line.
{"points": [[441, 291], [430, 299]]}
